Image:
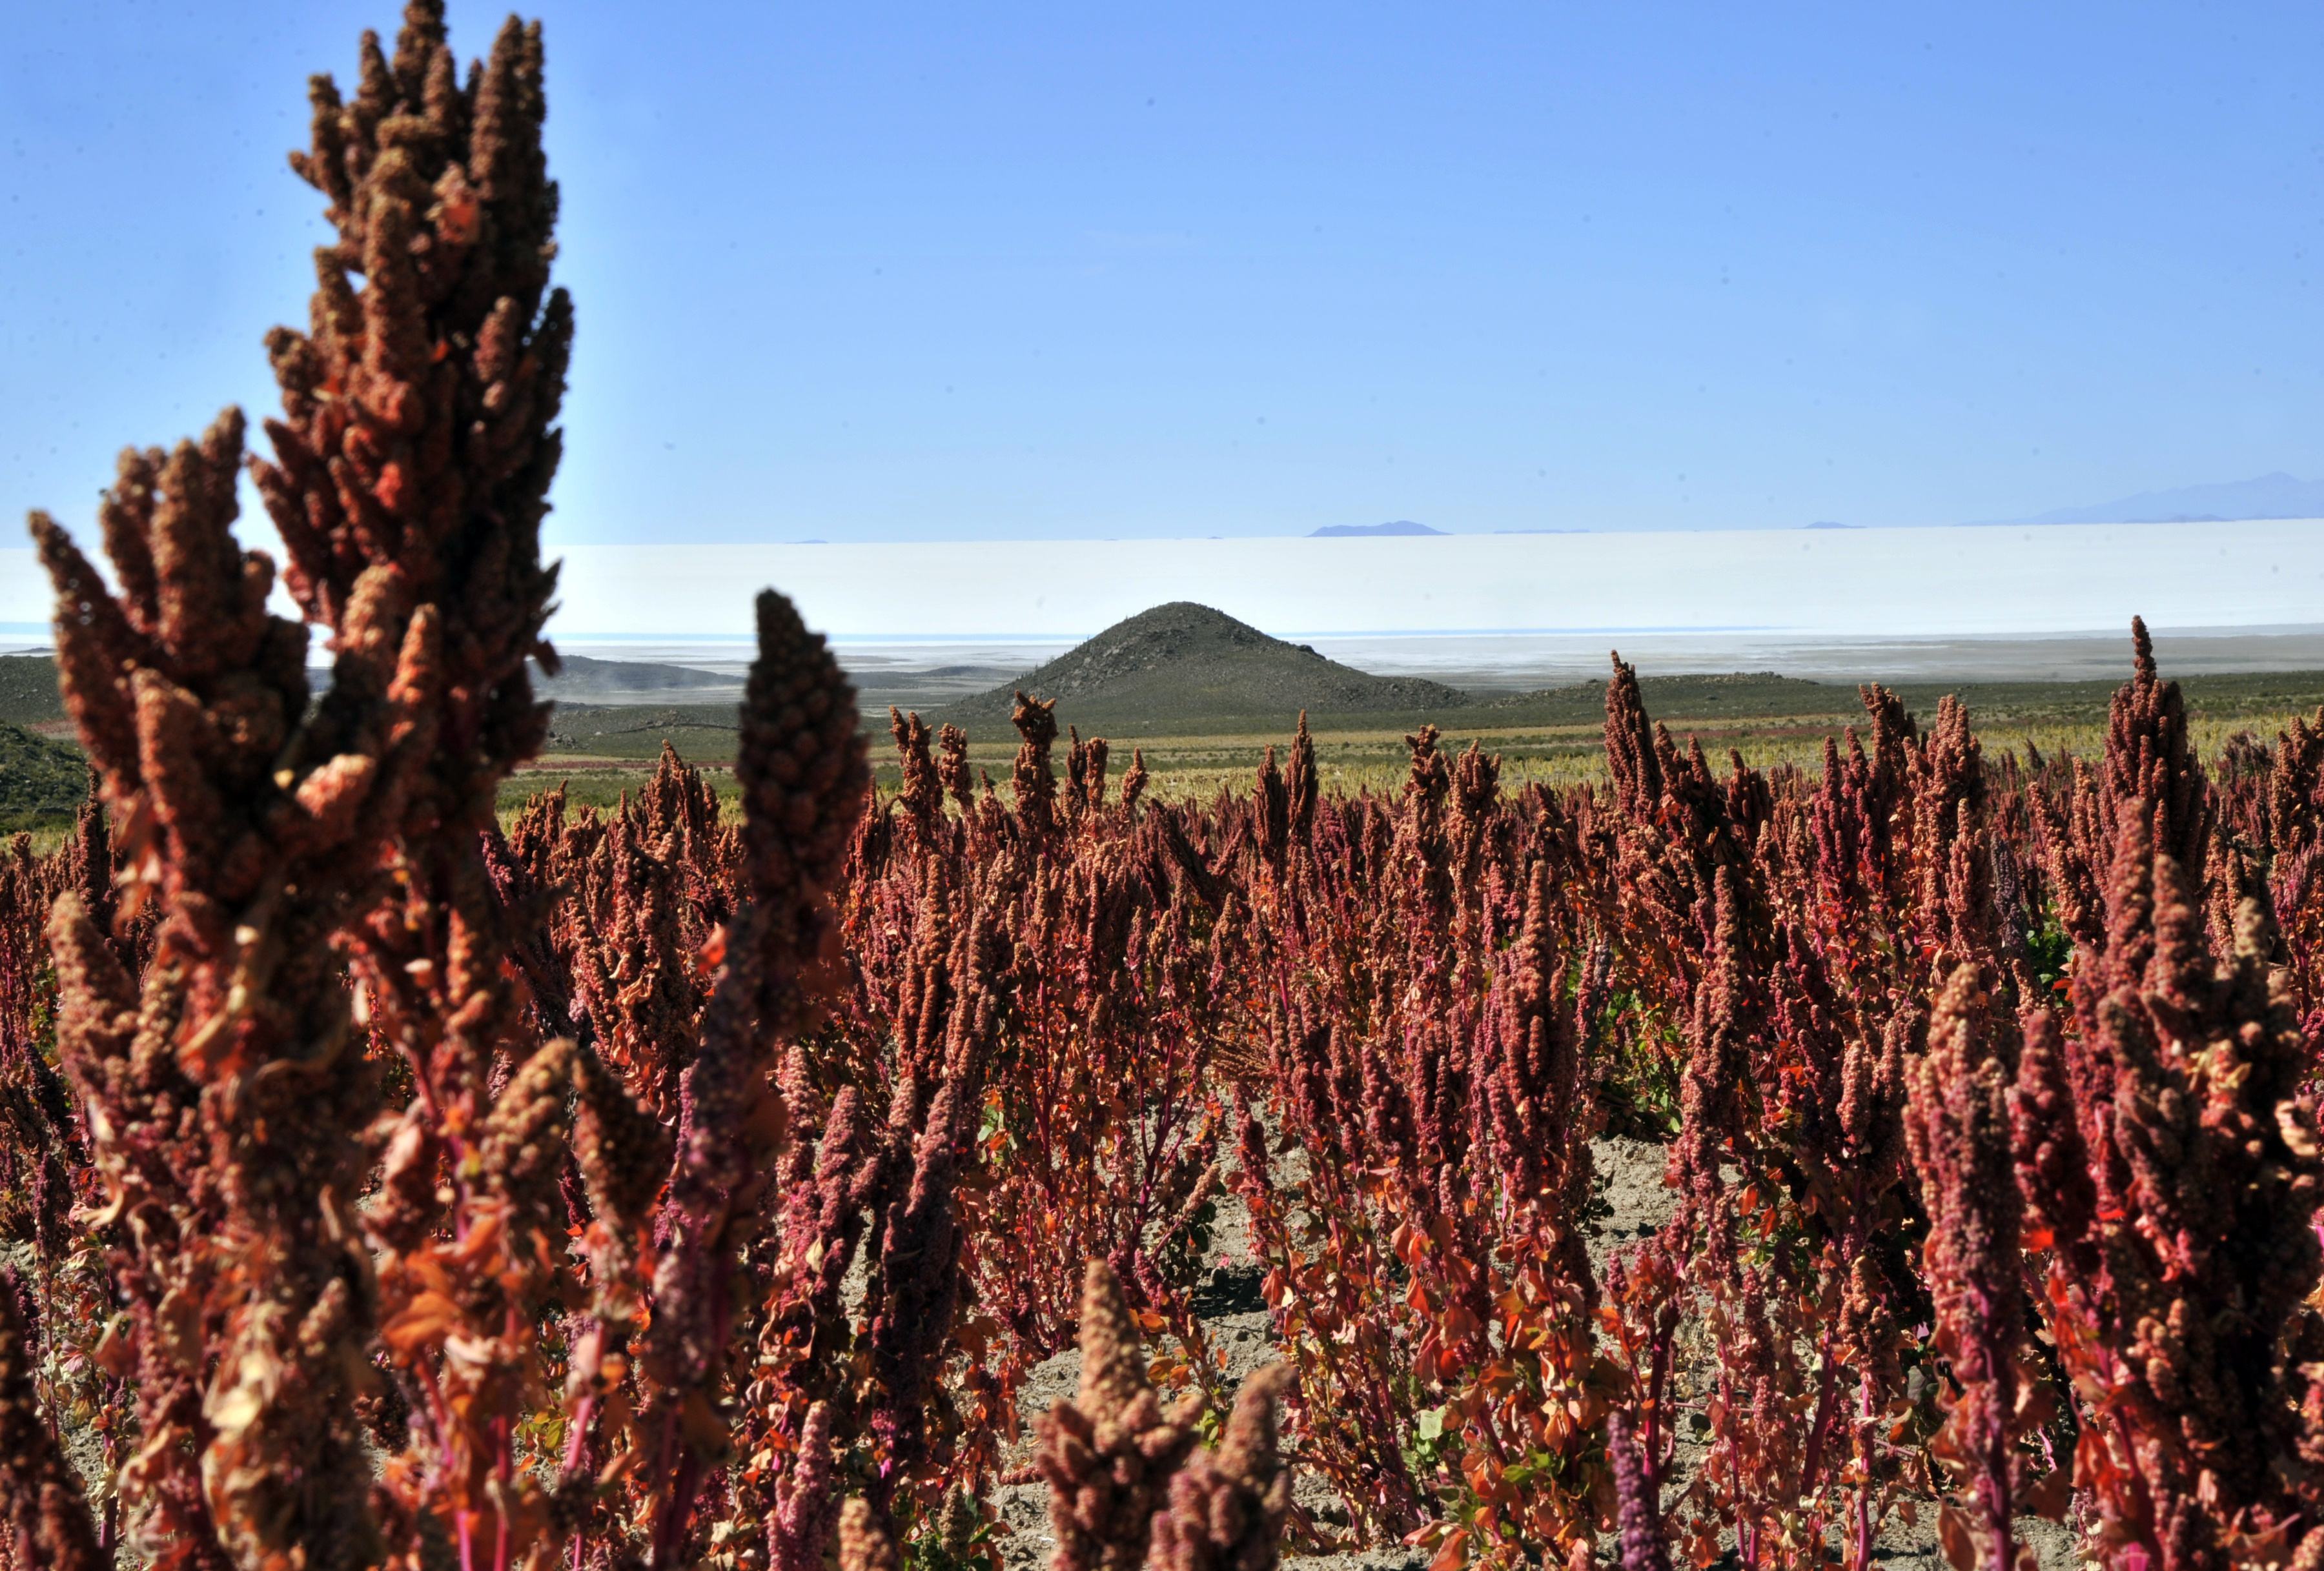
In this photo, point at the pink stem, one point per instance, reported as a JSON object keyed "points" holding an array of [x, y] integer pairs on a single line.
{"points": [[1827, 1388], [585, 1415], [1864, 1490]]}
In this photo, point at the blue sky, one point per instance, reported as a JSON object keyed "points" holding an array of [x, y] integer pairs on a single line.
{"points": [[890, 271]]}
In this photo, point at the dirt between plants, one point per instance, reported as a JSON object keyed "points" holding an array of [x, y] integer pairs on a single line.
{"points": [[1633, 1202]]}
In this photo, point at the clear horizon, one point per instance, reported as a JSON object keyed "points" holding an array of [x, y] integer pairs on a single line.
{"points": [[1046, 272]]}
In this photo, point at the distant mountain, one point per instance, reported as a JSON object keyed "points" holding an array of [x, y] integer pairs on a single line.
{"points": [[581, 677], [1353, 532], [1186, 664], [2270, 496]]}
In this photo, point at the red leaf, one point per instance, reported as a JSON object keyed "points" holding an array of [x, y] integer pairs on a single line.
{"points": [[1959, 1543]]}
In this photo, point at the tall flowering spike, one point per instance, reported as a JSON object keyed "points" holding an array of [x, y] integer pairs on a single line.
{"points": [[1946, 813], [1713, 1088], [801, 762], [922, 794], [43, 1512], [1227, 1507], [1639, 1514], [1847, 856], [1894, 739], [2150, 769], [1077, 774], [802, 765], [1035, 719], [1134, 778], [1109, 1453], [1476, 785], [1113, 1360], [1299, 782], [1631, 757], [1427, 777], [96, 643], [528, 1133], [1096, 755], [253, 831], [144, 701], [1958, 1125], [801, 1524], [622, 1152], [1271, 805], [2149, 760], [2052, 1159], [413, 463], [1750, 799], [1420, 835], [417, 411], [952, 767], [1533, 1082], [93, 855]]}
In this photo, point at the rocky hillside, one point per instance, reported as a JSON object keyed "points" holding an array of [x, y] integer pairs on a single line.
{"points": [[1183, 664], [40, 781]]}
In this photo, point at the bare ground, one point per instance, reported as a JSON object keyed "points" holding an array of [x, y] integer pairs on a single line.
{"points": [[1633, 1203]]}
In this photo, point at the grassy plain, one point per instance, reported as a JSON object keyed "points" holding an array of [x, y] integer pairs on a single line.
{"points": [[1553, 737]]}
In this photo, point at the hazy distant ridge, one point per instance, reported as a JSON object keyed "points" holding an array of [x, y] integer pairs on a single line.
{"points": [[2269, 496], [582, 677], [1396, 527]]}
